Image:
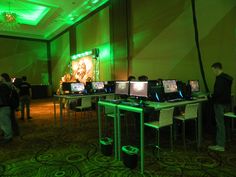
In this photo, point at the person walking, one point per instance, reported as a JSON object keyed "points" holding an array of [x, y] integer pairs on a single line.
{"points": [[25, 97]]}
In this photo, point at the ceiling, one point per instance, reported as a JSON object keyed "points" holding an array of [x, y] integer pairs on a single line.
{"points": [[42, 19]]}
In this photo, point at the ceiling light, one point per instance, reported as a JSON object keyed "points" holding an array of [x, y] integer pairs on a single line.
{"points": [[9, 17], [9, 21]]}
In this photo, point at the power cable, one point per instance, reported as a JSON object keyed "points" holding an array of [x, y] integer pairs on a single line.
{"points": [[197, 44]]}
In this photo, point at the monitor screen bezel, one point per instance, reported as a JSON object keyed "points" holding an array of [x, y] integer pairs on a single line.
{"points": [[136, 94], [194, 80], [76, 83], [98, 88], [164, 85], [122, 93]]}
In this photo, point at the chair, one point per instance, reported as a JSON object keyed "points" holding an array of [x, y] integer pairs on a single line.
{"points": [[109, 112], [165, 119], [190, 113], [86, 105], [232, 116]]}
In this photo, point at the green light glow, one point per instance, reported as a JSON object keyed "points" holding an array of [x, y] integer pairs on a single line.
{"points": [[94, 1], [130, 108], [80, 55], [27, 13], [85, 8], [104, 52], [105, 103]]}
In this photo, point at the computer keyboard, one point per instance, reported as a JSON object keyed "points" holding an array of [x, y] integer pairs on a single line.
{"points": [[192, 98], [129, 103], [175, 100], [113, 101], [75, 94]]}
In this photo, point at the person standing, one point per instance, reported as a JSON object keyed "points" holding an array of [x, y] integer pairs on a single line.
{"points": [[25, 97], [221, 101], [13, 102], [5, 111], [131, 78]]}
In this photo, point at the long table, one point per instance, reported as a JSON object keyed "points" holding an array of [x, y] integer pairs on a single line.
{"points": [[71, 97], [157, 106]]}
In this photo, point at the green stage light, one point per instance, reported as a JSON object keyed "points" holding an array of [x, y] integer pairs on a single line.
{"points": [[80, 55], [93, 52]]}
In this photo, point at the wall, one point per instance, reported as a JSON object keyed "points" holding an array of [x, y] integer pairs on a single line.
{"points": [[20, 57], [163, 44], [60, 59], [95, 33]]}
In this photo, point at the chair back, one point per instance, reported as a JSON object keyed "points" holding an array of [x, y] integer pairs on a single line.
{"points": [[109, 110], [110, 97], [86, 102], [72, 103], [191, 111], [166, 117]]}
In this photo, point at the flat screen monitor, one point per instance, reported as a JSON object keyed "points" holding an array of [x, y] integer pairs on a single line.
{"points": [[97, 85], [109, 86], [66, 86], [138, 88], [77, 87], [194, 84], [122, 87], [170, 86]]}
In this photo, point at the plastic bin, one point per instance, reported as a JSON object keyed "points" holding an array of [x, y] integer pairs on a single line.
{"points": [[130, 156], [106, 146]]}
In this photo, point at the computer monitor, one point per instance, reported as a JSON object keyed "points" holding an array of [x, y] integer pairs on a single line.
{"points": [[109, 86], [122, 87], [170, 86], [156, 92], [96, 86], [194, 84], [77, 87], [138, 88], [66, 87]]}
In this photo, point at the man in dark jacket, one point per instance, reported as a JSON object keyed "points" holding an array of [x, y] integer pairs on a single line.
{"points": [[25, 97], [221, 100], [5, 111], [14, 103]]}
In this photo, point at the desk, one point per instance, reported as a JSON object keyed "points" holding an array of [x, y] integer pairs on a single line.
{"points": [[231, 115], [156, 106], [71, 97], [101, 104]]}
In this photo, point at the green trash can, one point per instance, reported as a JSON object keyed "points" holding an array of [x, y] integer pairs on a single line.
{"points": [[106, 146], [130, 156]]}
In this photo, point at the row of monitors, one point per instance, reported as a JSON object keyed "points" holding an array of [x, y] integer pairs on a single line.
{"points": [[140, 88], [132, 88], [78, 87]]}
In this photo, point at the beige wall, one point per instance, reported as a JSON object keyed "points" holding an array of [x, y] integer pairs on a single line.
{"points": [[20, 57], [60, 59], [95, 33], [163, 38]]}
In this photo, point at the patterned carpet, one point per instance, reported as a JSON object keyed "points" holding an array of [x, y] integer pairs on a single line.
{"points": [[43, 150]]}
